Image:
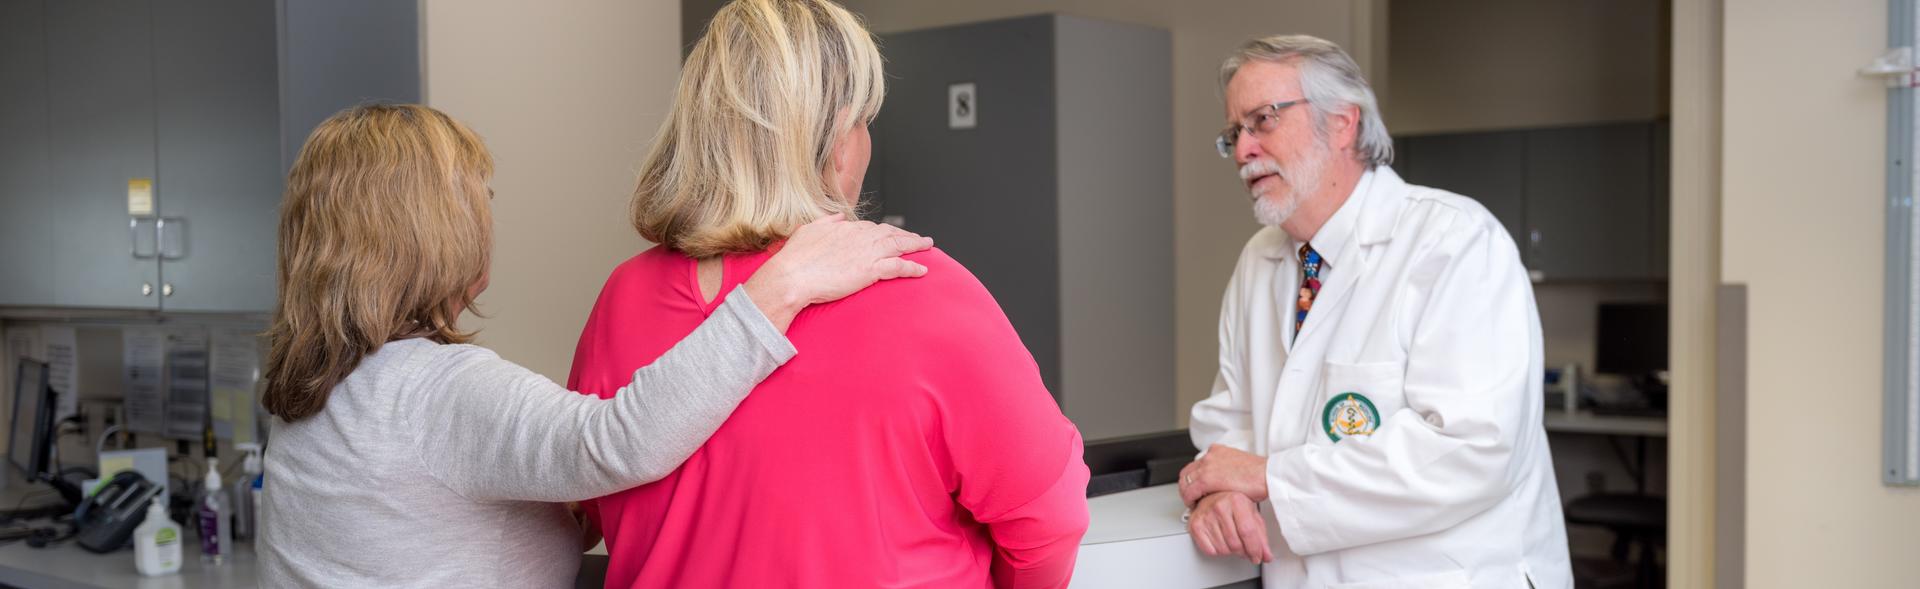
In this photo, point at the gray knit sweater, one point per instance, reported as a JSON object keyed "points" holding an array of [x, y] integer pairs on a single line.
{"points": [[442, 465]]}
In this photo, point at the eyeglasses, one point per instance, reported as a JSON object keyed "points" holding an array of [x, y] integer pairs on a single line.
{"points": [[1259, 122]]}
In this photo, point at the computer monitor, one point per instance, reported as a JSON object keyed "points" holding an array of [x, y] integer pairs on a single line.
{"points": [[28, 447], [1631, 339]]}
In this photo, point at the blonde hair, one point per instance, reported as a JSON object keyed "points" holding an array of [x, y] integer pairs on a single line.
{"points": [[763, 98], [384, 232]]}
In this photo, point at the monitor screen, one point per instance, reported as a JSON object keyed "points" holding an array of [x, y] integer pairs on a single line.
{"points": [[1631, 339], [27, 450]]}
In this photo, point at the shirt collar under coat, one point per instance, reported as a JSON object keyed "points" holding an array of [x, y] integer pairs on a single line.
{"points": [[1366, 217]]}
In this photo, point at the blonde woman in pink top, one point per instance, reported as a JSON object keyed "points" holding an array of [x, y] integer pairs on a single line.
{"points": [[912, 443]]}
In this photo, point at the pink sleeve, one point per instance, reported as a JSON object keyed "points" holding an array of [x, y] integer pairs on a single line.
{"points": [[1015, 459], [1035, 544]]}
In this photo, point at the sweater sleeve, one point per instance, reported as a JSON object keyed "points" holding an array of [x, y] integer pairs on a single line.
{"points": [[492, 430]]}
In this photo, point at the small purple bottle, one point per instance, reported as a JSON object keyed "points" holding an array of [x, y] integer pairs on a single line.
{"points": [[216, 535]]}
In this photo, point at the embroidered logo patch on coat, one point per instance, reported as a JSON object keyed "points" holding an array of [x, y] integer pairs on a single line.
{"points": [[1349, 414]]}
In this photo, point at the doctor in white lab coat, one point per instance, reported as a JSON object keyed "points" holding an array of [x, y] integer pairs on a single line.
{"points": [[1376, 421]]}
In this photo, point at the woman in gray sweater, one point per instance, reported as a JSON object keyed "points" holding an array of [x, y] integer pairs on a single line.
{"points": [[403, 456]]}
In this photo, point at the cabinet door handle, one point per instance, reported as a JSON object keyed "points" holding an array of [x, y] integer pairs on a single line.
{"points": [[146, 289], [171, 233], [151, 240], [1533, 251], [166, 289]]}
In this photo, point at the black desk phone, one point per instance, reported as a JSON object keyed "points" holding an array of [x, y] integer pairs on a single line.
{"points": [[105, 521]]}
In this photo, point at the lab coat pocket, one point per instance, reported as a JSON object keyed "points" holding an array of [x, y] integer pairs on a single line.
{"points": [[1447, 580], [1356, 397]]}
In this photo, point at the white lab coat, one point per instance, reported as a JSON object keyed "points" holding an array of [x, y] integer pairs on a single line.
{"points": [[1427, 312]]}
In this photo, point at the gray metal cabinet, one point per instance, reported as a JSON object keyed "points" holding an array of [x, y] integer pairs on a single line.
{"points": [[1590, 202], [217, 97], [1583, 203], [26, 198], [1488, 167], [100, 119], [204, 99]]}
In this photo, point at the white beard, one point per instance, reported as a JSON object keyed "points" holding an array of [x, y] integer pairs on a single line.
{"points": [[1302, 181], [1271, 213]]}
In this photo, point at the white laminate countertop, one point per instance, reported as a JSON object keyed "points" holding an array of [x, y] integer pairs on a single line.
{"points": [[67, 566], [1136, 539]]}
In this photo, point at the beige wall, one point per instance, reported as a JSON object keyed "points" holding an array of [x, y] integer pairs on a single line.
{"points": [[568, 99], [1802, 226], [1487, 64], [1693, 459], [1212, 219]]}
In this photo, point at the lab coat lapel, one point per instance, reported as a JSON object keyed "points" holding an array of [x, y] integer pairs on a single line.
{"points": [[1375, 214], [1324, 319], [1286, 282], [1293, 419]]}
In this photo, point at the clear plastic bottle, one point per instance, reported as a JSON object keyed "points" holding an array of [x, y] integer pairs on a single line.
{"points": [[216, 534], [246, 521], [156, 543]]}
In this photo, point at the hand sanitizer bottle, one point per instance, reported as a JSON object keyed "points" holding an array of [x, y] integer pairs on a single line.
{"points": [[216, 535], [156, 543], [245, 511]]}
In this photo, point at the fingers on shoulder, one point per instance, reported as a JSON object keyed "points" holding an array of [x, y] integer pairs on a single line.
{"points": [[890, 268]]}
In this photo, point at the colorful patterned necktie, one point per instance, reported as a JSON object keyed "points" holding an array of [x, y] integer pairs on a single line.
{"points": [[1309, 286]]}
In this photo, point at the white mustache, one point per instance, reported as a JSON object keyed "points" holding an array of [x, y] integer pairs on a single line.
{"points": [[1258, 168]]}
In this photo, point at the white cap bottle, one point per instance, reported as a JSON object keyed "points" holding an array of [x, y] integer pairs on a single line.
{"points": [[216, 533], [156, 543]]}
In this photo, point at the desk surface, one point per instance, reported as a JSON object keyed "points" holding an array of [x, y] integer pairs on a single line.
{"points": [[1133, 536], [1134, 515], [1137, 539], [1585, 422], [67, 566]]}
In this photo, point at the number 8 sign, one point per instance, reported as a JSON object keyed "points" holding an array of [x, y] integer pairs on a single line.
{"points": [[963, 107]]}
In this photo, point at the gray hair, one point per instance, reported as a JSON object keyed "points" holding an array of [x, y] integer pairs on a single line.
{"points": [[1329, 79]]}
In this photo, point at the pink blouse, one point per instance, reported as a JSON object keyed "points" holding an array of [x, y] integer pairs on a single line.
{"points": [[909, 444]]}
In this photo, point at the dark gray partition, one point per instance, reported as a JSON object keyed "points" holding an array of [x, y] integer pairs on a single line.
{"points": [[338, 53], [988, 195], [1115, 142], [1059, 196]]}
